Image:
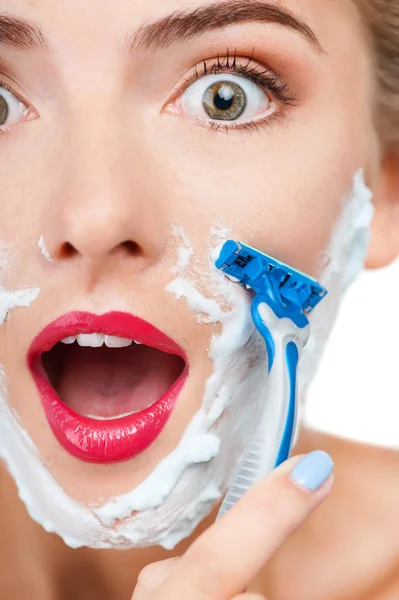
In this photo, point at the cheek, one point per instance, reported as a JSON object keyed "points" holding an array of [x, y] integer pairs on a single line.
{"points": [[294, 220], [28, 188], [281, 190], [288, 212]]}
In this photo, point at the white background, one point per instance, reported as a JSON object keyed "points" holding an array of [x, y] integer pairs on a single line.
{"points": [[356, 391]]}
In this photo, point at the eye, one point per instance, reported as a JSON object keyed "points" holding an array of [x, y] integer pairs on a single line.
{"points": [[10, 107], [225, 97]]}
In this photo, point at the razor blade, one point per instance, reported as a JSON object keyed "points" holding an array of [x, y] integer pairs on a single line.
{"points": [[266, 275]]}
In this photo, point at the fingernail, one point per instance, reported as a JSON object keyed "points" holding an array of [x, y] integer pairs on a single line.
{"points": [[313, 470]]}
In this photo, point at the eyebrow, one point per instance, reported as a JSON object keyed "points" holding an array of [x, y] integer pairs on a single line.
{"points": [[21, 34], [183, 26], [180, 26]]}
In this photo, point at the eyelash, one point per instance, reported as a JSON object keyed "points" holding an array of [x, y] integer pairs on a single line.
{"points": [[264, 78]]}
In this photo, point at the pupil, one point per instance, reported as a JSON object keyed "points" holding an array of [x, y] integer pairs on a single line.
{"points": [[224, 98], [221, 103]]}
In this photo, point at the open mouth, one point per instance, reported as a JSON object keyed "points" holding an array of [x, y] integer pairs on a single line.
{"points": [[108, 383], [106, 377]]}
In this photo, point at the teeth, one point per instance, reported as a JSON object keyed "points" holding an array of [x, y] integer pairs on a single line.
{"points": [[99, 418], [95, 340], [69, 340], [117, 342]]}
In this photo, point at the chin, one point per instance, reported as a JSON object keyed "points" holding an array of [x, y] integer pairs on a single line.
{"points": [[187, 483], [183, 487]]}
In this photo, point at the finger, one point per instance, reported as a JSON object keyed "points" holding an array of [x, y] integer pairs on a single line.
{"points": [[153, 576], [224, 560]]}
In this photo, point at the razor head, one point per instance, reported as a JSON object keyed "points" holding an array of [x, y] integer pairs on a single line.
{"points": [[260, 272]]}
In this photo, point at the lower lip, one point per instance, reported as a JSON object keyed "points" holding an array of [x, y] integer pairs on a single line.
{"points": [[99, 441]]}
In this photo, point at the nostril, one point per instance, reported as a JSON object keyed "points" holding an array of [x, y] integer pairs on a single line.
{"points": [[67, 251], [132, 248], [128, 248]]}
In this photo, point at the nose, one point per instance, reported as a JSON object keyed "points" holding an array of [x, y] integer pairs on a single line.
{"points": [[106, 205]]}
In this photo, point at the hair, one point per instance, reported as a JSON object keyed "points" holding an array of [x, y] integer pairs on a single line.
{"points": [[382, 21]]}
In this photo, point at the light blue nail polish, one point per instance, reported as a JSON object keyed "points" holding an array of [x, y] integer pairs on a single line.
{"points": [[313, 470]]}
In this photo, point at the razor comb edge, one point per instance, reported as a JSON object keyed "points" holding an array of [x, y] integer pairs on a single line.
{"points": [[249, 266]]}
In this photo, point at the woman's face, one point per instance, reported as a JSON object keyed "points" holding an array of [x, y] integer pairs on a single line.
{"points": [[115, 159]]}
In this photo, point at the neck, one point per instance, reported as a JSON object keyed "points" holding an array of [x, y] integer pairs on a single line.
{"points": [[351, 541]]}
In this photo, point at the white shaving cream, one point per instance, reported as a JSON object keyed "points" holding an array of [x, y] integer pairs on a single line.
{"points": [[12, 299], [185, 251], [345, 258], [188, 482], [44, 250]]}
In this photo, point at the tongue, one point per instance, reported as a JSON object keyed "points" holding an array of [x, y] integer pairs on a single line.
{"points": [[112, 382]]}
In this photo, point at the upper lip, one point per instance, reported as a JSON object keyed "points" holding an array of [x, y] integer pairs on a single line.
{"points": [[119, 324]]}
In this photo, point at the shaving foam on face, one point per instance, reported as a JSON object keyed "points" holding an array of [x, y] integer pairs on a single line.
{"points": [[12, 299], [187, 483], [185, 252], [345, 260], [44, 250]]}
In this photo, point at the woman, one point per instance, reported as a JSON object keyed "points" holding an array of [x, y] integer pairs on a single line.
{"points": [[136, 137]]}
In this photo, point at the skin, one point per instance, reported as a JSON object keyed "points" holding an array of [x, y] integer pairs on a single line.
{"points": [[98, 194]]}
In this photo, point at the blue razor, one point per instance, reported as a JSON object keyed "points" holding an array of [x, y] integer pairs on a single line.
{"points": [[288, 292], [281, 292]]}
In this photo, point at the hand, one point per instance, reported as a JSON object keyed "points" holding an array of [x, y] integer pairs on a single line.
{"points": [[225, 559]]}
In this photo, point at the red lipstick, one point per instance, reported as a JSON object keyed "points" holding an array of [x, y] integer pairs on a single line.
{"points": [[109, 439]]}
